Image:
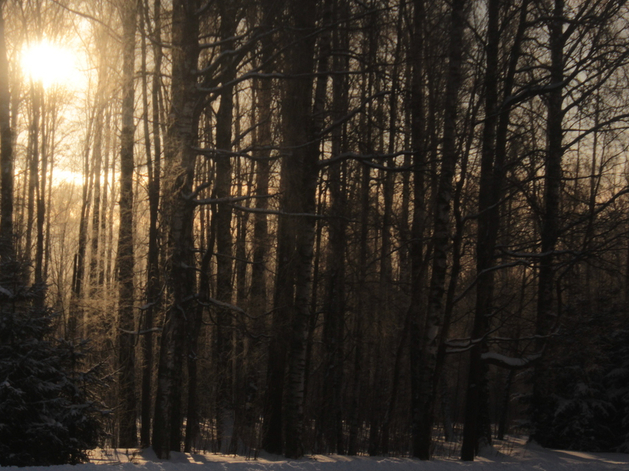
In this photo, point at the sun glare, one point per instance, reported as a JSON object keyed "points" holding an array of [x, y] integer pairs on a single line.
{"points": [[49, 63]]}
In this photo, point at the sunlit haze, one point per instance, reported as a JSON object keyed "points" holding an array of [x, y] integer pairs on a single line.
{"points": [[50, 63]]}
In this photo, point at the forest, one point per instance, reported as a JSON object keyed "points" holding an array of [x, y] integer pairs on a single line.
{"points": [[355, 227]]}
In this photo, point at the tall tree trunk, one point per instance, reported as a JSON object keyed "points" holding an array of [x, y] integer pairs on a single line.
{"points": [[258, 298], [41, 195], [387, 281], [546, 313], [272, 407], [416, 254], [428, 373], [224, 242], [153, 269], [303, 157], [179, 212], [283, 298], [33, 166], [125, 259], [194, 346], [487, 232], [76, 296], [335, 305], [105, 228], [477, 427], [97, 156], [7, 248]]}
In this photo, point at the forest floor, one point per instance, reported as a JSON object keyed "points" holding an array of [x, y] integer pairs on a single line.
{"points": [[512, 455]]}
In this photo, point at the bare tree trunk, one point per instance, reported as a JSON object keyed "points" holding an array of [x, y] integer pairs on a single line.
{"points": [[78, 274], [335, 305], [284, 294], [258, 297], [272, 440], [194, 353], [179, 212], [428, 374], [41, 197], [125, 259], [224, 243], [477, 427], [96, 213], [153, 271], [546, 314], [7, 248], [97, 157], [303, 156], [487, 232], [105, 228], [387, 270], [272, 408], [33, 166], [416, 254], [355, 416]]}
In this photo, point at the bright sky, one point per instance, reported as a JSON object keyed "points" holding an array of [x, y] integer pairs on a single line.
{"points": [[50, 63]]}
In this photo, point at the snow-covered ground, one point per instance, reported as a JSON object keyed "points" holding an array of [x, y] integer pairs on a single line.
{"points": [[517, 457]]}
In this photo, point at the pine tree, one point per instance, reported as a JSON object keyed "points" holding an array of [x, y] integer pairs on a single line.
{"points": [[617, 386], [46, 415]]}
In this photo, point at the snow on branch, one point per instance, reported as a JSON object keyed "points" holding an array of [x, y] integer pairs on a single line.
{"points": [[281, 213], [511, 363], [233, 199]]}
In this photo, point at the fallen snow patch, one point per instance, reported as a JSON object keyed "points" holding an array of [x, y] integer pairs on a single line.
{"points": [[521, 457]]}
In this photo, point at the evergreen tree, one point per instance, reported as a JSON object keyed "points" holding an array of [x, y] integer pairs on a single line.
{"points": [[46, 415], [585, 407], [617, 387]]}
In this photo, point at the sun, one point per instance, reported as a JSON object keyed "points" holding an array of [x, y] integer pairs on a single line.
{"points": [[49, 63]]}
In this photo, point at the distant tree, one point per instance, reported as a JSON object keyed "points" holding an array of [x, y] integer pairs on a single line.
{"points": [[7, 248]]}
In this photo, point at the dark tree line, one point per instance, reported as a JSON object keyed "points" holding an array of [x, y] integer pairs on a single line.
{"points": [[330, 226]]}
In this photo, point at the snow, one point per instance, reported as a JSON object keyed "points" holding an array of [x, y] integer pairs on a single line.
{"points": [[517, 456], [509, 362]]}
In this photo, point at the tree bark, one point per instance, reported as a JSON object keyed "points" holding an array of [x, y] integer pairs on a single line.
{"points": [[153, 268], [488, 219], [97, 157], [179, 212], [40, 203], [7, 247], [428, 374], [224, 241], [546, 313], [75, 313], [302, 158], [335, 305], [419, 218], [125, 258]]}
